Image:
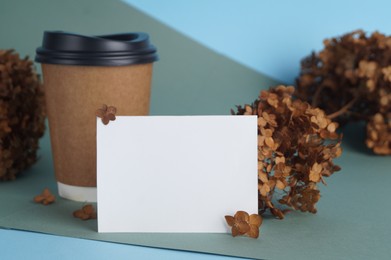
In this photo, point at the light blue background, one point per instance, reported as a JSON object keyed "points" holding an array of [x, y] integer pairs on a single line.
{"points": [[29, 245], [268, 36]]}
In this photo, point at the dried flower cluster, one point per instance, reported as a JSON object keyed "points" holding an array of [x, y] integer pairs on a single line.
{"points": [[350, 79], [106, 113], [21, 114], [244, 224], [85, 213], [296, 147], [45, 198]]}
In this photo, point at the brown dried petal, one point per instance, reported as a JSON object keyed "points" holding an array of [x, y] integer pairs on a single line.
{"points": [[87, 212], [80, 214], [111, 110], [264, 189], [253, 231], [241, 216], [269, 142], [105, 120], [315, 172], [280, 159], [256, 220], [45, 198], [88, 209], [261, 122], [243, 227], [111, 117], [332, 127], [39, 198], [263, 177], [277, 213], [100, 113], [280, 185], [235, 231], [230, 220]]}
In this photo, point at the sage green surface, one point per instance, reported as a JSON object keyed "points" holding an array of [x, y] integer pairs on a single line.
{"points": [[352, 220], [354, 211]]}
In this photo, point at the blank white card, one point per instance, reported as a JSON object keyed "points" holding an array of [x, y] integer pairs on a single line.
{"points": [[175, 173]]}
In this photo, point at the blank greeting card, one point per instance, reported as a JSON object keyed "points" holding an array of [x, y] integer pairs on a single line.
{"points": [[175, 173]]}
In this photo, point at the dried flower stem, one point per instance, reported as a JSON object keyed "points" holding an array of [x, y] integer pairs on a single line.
{"points": [[316, 95], [344, 109]]}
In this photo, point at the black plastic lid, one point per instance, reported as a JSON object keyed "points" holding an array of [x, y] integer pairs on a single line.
{"points": [[107, 50]]}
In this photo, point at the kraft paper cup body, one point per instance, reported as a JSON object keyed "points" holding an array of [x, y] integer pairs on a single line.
{"points": [[73, 94]]}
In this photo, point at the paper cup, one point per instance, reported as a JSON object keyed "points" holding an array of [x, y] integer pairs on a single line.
{"points": [[80, 74]]}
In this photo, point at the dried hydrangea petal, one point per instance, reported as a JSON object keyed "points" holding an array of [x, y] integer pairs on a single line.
{"points": [[107, 114], [85, 213], [255, 219], [253, 231], [242, 226], [241, 216], [100, 113], [230, 220], [111, 110], [235, 231], [45, 198]]}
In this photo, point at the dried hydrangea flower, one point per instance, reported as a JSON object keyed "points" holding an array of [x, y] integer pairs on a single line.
{"points": [[106, 113], [45, 198], [85, 213], [350, 79], [296, 147], [244, 224], [22, 114]]}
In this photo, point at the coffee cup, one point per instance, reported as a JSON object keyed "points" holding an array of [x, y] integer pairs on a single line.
{"points": [[80, 74]]}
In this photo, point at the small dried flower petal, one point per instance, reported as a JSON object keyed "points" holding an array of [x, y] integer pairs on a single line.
{"points": [[332, 127], [230, 220], [106, 113], [45, 198], [280, 185], [262, 176], [315, 172], [253, 231], [243, 227], [241, 216], [264, 189], [244, 224], [256, 220], [85, 213], [387, 73]]}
